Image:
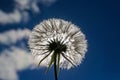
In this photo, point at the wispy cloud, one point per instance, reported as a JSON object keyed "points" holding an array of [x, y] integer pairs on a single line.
{"points": [[21, 11], [15, 17], [13, 60], [12, 36], [28, 5]]}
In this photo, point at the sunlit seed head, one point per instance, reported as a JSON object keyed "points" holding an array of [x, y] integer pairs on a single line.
{"points": [[61, 37]]}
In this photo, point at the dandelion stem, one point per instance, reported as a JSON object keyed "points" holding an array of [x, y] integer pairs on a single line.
{"points": [[55, 67]]}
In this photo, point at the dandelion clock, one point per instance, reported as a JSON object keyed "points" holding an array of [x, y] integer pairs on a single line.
{"points": [[59, 43]]}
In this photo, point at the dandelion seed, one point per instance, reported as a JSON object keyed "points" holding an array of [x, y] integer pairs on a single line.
{"points": [[58, 42]]}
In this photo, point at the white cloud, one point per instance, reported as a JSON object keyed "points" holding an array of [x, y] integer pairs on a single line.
{"points": [[27, 5], [12, 61], [21, 11], [13, 17], [12, 36]]}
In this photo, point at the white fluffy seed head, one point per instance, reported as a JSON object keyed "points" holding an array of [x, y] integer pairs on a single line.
{"points": [[67, 34]]}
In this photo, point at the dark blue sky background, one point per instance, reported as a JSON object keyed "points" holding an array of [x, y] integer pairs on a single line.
{"points": [[100, 22]]}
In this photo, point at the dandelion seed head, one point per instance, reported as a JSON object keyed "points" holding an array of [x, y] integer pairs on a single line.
{"points": [[61, 37]]}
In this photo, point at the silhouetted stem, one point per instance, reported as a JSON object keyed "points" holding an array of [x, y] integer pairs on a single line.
{"points": [[55, 67]]}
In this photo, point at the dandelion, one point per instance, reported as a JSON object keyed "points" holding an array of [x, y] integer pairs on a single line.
{"points": [[58, 42]]}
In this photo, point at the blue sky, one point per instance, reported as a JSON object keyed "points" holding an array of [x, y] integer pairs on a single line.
{"points": [[98, 19]]}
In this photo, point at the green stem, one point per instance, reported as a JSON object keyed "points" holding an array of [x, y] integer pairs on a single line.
{"points": [[55, 67]]}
